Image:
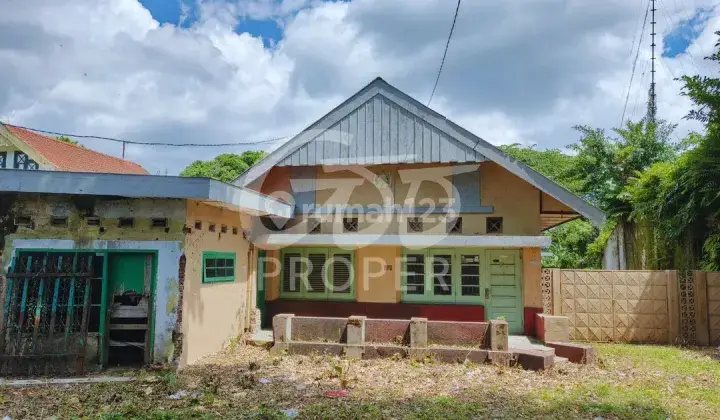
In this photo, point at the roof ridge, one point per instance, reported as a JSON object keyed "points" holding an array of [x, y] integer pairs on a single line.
{"points": [[67, 144]]}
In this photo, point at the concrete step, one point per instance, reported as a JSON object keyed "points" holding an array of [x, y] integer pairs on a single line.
{"points": [[561, 360]]}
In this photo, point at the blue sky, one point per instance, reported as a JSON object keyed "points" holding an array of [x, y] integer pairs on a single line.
{"points": [[171, 11], [687, 31]]}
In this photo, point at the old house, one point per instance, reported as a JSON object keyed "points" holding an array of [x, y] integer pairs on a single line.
{"points": [[116, 269], [28, 150], [400, 213]]}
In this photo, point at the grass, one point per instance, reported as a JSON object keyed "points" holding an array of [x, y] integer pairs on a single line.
{"points": [[629, 381]]}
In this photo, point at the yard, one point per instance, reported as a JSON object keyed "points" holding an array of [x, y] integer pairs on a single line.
{"points": [[629, 381]]}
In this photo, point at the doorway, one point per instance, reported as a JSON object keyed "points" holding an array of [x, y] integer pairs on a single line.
{"points": [[260, 290], [130, 291], [504, 288]]}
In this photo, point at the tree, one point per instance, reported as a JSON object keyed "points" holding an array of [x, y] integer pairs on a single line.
{"points": [[68, 140], [682, 199], [552, 163], [225, 167]]}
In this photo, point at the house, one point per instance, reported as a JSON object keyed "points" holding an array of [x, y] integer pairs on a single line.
{"points": [[400, 213], [24, 149], [117, 269]]}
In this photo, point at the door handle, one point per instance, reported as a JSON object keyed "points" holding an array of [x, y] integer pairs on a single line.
{"points": [[487, 293]]}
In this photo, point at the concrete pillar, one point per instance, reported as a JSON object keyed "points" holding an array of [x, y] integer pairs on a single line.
{"points": [[282, 332], [498, 335], [418, 332], [553, 328], [355, 333]]}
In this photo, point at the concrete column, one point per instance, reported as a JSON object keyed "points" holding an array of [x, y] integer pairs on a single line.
{"points": [[553, 328], [418, 332], [282, 332], [498, 335], [355, 337]]}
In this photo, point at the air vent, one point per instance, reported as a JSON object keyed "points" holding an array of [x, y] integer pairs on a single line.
{"points": [[223, 229], [126, 222], [455, 225], [235, 230], [159, 222], [314, 226], [350, 224], [415, 224], [211, 227], [58, 221], [24, 221], [198, 225], [494, 225], [93, 221]]}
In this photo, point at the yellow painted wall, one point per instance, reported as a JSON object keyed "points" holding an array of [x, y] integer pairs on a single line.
{"points": [[512, 198], [532, 271], [549, 203], [377, 271], [214, 313]]}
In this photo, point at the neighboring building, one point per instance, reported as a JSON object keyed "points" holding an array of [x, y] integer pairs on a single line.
{"points": [[401, 213], [157, 269], [25, 149]]}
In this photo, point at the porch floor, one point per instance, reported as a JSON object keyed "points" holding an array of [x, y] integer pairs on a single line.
{"points": [[523, 342]]}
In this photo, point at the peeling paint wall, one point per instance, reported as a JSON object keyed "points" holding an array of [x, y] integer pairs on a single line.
{"points": [[214, 313], [78, 233]]}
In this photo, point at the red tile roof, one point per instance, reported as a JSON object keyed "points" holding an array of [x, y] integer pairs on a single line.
{"points": [[69, 157]]}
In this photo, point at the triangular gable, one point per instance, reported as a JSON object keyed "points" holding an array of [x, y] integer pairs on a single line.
{"points": [[388, 98], [380, 131], [9, 139]]}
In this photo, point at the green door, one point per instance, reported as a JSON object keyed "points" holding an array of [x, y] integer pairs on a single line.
{"points": [[126, 272], [261, 286], [503, 290]]}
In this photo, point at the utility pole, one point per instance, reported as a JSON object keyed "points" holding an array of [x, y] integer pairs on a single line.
{"points": [[652, 98]]}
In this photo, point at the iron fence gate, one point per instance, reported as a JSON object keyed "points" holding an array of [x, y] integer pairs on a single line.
{"points": [[49, 300]]}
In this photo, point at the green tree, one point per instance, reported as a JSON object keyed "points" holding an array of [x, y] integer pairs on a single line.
{"points": [[225, 167], [682, 199], [604, 165], [552, 163], [67, 140]]}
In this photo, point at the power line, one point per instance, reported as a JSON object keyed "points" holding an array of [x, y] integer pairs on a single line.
{"points": [[637, 54], [139, 143], [447, 45]]}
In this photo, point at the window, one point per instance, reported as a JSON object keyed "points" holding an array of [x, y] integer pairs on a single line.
{"points": [[93, 221], [218, 267], [442, 276], [3, 160], [317, 274], [415, 224], [494, 225], [455, 225], [198, 225], [350, 224], [23, 161], [211, 227], [223, 228], [235, 230]]}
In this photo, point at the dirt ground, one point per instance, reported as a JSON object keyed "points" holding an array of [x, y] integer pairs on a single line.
{"points": [[629, 381]]}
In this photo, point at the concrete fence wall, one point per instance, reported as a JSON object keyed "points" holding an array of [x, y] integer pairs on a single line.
{"points": [[636, 306]]}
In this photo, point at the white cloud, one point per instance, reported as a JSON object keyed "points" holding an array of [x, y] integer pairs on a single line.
{"points": [[522, 73]]}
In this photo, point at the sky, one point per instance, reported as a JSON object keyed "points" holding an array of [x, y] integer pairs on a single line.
{"points": [[222, 71]]}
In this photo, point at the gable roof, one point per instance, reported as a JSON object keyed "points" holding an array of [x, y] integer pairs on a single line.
{"points": [[68, 157], [448, 142]]}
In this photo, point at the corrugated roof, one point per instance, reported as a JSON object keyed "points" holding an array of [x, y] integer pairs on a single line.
{"points": [[69, 157]]}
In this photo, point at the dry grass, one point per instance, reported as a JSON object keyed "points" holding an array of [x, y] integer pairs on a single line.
{"points": [[247, 382]]}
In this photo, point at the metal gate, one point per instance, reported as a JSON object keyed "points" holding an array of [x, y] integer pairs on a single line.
{"points": [[49, 298]]}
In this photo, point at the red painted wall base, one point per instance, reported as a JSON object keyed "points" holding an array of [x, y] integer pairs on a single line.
{"points": [[529, 327], [468, 313]]}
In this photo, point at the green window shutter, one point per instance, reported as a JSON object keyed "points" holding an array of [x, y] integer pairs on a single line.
{"points": [[291, 272], [342, 273], [415, 274], [218, 267], [317, 275]]}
